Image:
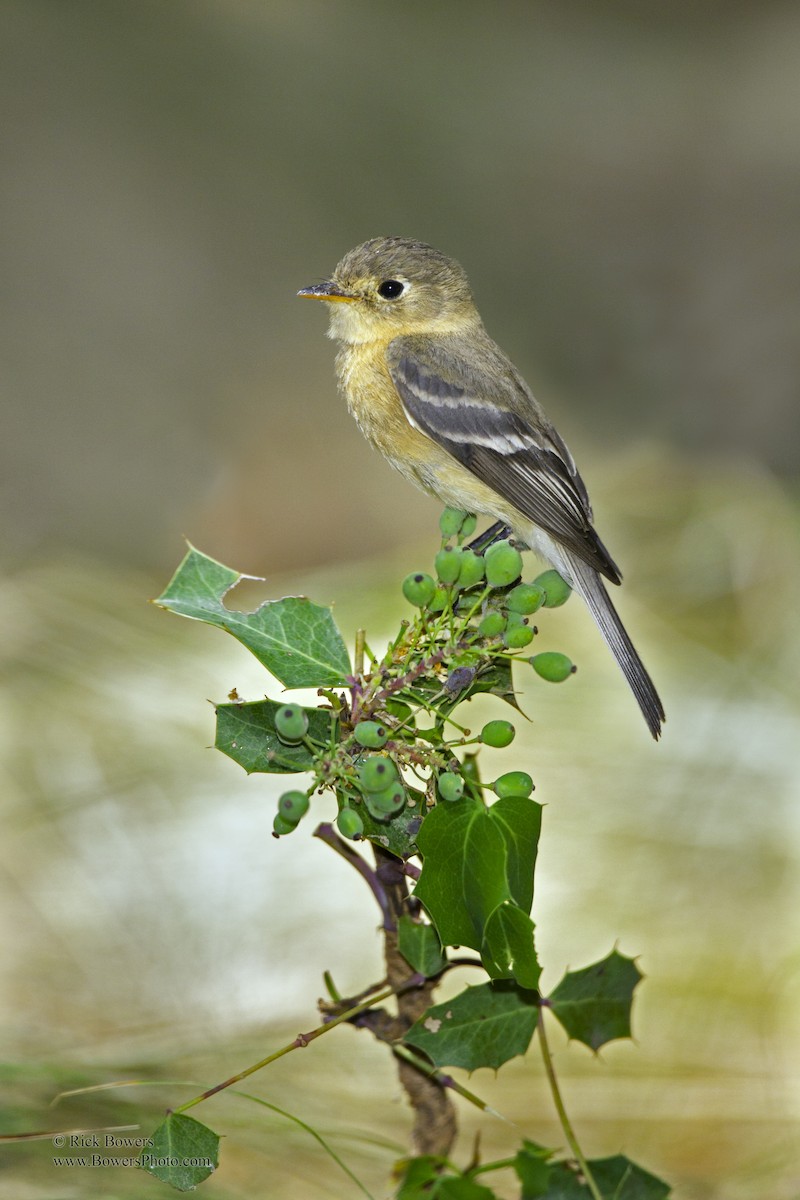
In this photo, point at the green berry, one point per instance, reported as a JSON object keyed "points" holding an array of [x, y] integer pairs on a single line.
{"points": [[291, 723], [525, 598], [553, 666], [349, 824], [418, 588], [280, 826], [292, 806], [498, 734], [438, 601], [468, 525], [451, 521], [556, 590], [448, 564], [503, 564], [377, 772], [371, 734], [518, 636], [451, 785], [472, 569], [387, 802], [513, 783], [492, 625]]}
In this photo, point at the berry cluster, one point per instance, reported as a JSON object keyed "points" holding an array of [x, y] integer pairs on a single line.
{"points": [[392, 749]]}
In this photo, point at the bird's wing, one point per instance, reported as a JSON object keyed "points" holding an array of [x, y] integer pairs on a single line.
{"points": [[479, 409]]}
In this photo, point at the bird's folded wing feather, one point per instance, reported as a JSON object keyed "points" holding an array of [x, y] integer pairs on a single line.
{"points": [[480, 410]]}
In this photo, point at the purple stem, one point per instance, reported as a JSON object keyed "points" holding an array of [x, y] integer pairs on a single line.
{"points": [[327, 834]]}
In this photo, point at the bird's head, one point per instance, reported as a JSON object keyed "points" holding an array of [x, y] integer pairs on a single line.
{"points": [[390, 286]]}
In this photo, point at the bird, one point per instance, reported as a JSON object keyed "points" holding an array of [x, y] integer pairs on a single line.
{"points": [[432, 391]]}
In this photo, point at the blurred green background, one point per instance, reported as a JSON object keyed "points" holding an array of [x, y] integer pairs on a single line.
{"points": [[622, 183]]}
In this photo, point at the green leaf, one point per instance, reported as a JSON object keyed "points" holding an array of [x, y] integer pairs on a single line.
{"points": [[423, 1180], [474, 859], [533, 1170], [419, 1175], [617, 1178], [494, 679], [520, 821], [620, 1179], [483, 1026], [420, 946], [463, 872], [594, 1005], [458, 1187], [294, 639], [508, 951], [398, 834], [184, 1152], [246, 733]]}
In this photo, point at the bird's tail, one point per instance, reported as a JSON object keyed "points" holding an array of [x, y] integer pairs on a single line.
{"points": [[590, 586]]}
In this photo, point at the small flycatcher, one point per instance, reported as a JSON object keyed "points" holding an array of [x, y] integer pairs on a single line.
{"points": [[432, 391]]}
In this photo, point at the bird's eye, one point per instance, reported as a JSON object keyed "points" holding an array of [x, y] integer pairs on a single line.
{"points": [[390, 289]]}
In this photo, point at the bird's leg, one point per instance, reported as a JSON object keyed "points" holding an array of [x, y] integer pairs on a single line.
{"points": [[495, 533]]}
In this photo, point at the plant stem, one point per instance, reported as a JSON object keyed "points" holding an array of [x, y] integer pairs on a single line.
{"points": [[434, 1128], [566, 1124], [299, 1042], [358, 657], [327, 834], [446, 1080]]}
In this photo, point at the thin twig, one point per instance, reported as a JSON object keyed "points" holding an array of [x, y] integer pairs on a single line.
{"points": [[301, 1041], [327, 834]]}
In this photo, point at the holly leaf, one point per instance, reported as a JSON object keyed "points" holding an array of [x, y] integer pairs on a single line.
{"points": [[296, 640], [594, 1005], [246, 733], [420, 946], [459, 1187], [483, 1026], [397, 834], [617, 1178], [419, 1175], [494, 679], [184, 1152], [533, 1169], [508, 951], [423, 1179]]}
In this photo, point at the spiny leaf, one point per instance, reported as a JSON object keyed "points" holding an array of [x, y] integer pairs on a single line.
{"points": [[594, 1004], [533, 1168], [458, 1187], [494, 678], [398, 834], [424, 1179], [296, 641], [246, 733], [418, 1176], [617, 1178], [483, 1026], [184, 1152]]}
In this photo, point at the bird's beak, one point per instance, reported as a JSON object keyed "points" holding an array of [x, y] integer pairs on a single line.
{"points": [[328, 291]]}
